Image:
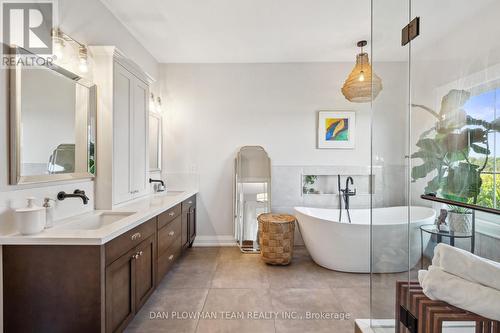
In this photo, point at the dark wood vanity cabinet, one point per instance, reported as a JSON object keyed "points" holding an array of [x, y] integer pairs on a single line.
{"points": [[120, 292], [130, 280], [169, 239], [130, 274], [188, 222], [86, 288]]}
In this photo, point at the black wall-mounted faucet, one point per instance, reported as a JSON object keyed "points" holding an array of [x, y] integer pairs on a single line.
{"points": [[76, 194], [348, 192], [345, 193], [156, 181], [158, 188]]}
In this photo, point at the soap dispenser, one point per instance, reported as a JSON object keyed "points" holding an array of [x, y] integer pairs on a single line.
{"points": [[49, 212], [30, 220]]}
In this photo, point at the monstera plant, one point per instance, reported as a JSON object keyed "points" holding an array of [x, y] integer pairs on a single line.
{"points": [[445, 150]]}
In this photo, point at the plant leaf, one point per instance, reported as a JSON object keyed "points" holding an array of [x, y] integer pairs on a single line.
{"points": [[433, 186], [480, 150], [463, 181], [453, 101], [421, 171]]}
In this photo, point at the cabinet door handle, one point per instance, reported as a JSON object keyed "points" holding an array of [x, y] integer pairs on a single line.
{"points": [[135, 256], [171, 257], [141, 253], [171, 233], [136, 236], [190, 202], [171, 214]]}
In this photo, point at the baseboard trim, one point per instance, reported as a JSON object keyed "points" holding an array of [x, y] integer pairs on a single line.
{"points": [[211, 241]]}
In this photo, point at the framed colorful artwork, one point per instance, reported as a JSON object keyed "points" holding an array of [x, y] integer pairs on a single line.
{"points": [[336, 129]]}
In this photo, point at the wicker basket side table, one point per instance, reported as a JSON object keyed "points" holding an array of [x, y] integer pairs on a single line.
{"points": [[276, 237]]}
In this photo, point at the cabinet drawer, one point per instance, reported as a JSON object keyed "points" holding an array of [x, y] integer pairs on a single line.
{"points": [[168, 234], [166, 260], [188, 203], [171, 214], [120, 245]]}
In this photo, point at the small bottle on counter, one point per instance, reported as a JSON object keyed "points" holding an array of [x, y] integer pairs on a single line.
{"points": [[49, 212]]}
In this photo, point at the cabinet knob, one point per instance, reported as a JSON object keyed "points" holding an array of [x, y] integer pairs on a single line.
{"points": [[171, 257], [190, 202], [171, 233], [141, 253], [171, 214], [135, 256]]}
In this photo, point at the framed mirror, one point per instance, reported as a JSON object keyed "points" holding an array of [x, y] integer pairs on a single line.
{"points": [[155, 138], [52, 123]]}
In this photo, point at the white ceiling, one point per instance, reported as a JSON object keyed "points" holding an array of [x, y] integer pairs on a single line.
{"points": [[260, 31]]}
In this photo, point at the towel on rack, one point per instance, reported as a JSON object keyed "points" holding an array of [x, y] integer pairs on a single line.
{"points": [[467, 265], [440, 285]]}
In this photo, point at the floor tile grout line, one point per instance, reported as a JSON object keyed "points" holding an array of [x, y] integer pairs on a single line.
{"points": [[208, 292], [202, 308]]}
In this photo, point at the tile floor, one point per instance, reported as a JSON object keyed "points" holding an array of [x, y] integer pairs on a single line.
{"points": [[223, 283]]}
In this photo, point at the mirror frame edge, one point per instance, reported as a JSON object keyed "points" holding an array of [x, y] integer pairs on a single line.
{"points": [[14, 86], [160, 140]]}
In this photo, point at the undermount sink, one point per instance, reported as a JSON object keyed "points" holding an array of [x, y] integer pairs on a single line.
{"points": [[95, 220]]}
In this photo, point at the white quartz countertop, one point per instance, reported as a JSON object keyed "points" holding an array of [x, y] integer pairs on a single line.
{"points": [[143, 209]]}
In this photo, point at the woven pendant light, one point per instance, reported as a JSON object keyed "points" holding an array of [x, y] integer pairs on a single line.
{"points": [[359, 84]]}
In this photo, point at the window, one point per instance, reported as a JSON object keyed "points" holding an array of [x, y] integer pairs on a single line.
{"points": [[484, 104]]}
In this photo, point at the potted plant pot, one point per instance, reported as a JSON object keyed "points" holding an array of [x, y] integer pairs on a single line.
{"points": [[460, 221]]}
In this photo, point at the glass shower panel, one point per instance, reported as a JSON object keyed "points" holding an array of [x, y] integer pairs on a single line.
{"points": [[440, 104], [390, 133], [455, 78], [455, 81]]}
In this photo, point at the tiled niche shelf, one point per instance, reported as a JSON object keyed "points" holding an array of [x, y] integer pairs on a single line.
{"points": [[328, 184]]}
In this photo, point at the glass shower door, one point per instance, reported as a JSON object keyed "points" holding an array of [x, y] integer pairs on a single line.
{"points": [[455, 93], [390, 149], [440, 104]]}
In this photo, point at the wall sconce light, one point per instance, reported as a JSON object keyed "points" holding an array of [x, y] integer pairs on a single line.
{"points": [[59, 39], [58, 43], [83, 56], [159, 103], [152, 106]]}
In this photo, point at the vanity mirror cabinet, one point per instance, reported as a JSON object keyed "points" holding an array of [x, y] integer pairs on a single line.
{"points": [[42, 150], [122, 128], [93, 288]]}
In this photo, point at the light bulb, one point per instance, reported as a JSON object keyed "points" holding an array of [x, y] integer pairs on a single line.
{"points": [[83, 67], [82, 55], [361, 76], [58, 48]]}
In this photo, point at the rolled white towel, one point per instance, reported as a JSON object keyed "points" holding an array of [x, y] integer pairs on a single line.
{"points": [[467, 265], [421, 276], [440, 285]]}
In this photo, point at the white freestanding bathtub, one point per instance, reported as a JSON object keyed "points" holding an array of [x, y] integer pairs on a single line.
{"points": [[345, 246]]}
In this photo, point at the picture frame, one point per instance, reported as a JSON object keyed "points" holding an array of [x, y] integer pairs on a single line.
{"points": [[336, 129]]}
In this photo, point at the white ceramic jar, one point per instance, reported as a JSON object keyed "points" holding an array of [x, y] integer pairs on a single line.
{"points": [[30, 220]]}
